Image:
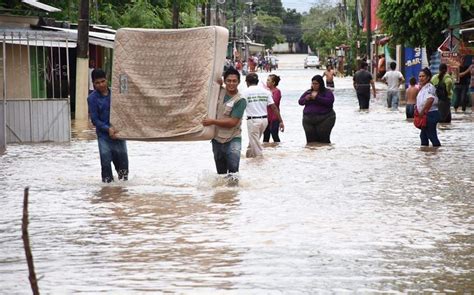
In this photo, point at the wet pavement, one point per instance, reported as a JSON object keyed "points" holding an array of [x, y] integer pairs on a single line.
{"points": [[370, 213]]}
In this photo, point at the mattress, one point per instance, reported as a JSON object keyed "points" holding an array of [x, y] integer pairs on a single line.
{"points": [[164, 82]]}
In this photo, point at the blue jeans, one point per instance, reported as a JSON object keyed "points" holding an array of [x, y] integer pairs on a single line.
{"points": [[392, 99], [410, 111], [227, 155], [115, 151], [429, 133]]}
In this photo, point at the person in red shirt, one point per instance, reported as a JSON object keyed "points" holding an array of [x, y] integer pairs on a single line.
{"points": [[273, 122]]}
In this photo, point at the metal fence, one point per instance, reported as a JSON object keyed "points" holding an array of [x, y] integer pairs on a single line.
{"points": [[35, 71]]}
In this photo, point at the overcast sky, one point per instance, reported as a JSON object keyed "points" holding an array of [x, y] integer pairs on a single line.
{"points": [[299, 5], [304, 5]]}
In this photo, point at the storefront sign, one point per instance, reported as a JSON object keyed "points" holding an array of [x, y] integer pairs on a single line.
{"points": [[412, 64]]}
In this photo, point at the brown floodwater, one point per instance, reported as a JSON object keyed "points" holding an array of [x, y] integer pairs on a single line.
{"points": [[370, 213]]}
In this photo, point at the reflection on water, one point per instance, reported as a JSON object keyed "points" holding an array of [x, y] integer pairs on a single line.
{"points": [[156, 233], [370, 212]]}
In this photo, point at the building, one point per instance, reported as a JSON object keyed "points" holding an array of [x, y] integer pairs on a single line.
{"points": [[38, 71]]}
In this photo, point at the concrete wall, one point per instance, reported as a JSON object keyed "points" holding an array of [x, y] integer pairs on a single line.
{"points": [[17, 72], [285, 48], [281, 48]]}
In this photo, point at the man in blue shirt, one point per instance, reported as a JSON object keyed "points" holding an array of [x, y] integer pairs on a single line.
{"points": [[111, 149]]}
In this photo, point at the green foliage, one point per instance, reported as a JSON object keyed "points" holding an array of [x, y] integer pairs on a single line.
{"points": [[150, 14], [127, 13], [190, 20], [291, 27], [270, 24], [269, 7], [322, 30], [267, 30], [325, 28], [414, 23], [140, 14]]}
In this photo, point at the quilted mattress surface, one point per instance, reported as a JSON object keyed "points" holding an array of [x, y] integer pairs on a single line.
{"points": [[164, 82]]}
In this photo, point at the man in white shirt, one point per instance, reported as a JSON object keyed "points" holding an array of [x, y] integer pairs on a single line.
{"points": [[257, 99], [393, 79], [91, 68]]}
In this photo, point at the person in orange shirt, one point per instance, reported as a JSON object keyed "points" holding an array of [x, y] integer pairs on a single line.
{"points": [[381, 66]]}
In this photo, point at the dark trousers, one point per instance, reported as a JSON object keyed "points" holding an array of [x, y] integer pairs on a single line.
{"points": [[112, 150], [462, 96], [444, 107], [364, 99], [429, 133], [272, 129], [318, 127]]}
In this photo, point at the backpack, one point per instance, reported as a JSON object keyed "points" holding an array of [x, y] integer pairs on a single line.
{"points": [[441, 91]]}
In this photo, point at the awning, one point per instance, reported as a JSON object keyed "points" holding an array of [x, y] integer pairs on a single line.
{"points": [[96, 38], [41, 6], [449, 44], [466, 24], [105, 29], [384, 40]]}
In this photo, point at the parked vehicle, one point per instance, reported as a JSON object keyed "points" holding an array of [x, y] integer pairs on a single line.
{"points": [[312, 61]]}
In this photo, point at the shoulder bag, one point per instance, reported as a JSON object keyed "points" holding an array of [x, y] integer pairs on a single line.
{"points": [[419, 122]]}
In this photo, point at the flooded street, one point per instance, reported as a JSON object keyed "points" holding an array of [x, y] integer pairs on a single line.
{"points": [[370, 213]]}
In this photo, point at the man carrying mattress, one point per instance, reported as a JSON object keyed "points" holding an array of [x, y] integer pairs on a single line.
{"points": [[111, 149], [227, 142]]}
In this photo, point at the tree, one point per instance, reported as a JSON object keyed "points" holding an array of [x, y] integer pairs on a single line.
{"points": [[267, 30], [139, 14], [414, 23], [270, 7], [132, 13], [291, 27], [327, 27], [319, 29]]}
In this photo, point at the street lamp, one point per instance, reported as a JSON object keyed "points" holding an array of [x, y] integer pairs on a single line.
{"points": [[250, 3], [249, 30]]}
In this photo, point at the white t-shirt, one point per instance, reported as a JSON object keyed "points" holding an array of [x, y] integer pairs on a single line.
{"points": [[91, 83], [393, 79], [426, 92], [257, 100]]}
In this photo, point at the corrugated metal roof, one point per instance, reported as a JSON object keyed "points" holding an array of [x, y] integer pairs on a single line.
{"points": [[96, 38], [44, 43], [41, 6]]}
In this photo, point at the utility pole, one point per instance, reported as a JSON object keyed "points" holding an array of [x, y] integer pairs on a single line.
{"points": [[175, 14], [357, 17], [203, 14], [369, 33], [217, 15], [234, 34], [82, 62], [208, 14]]}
